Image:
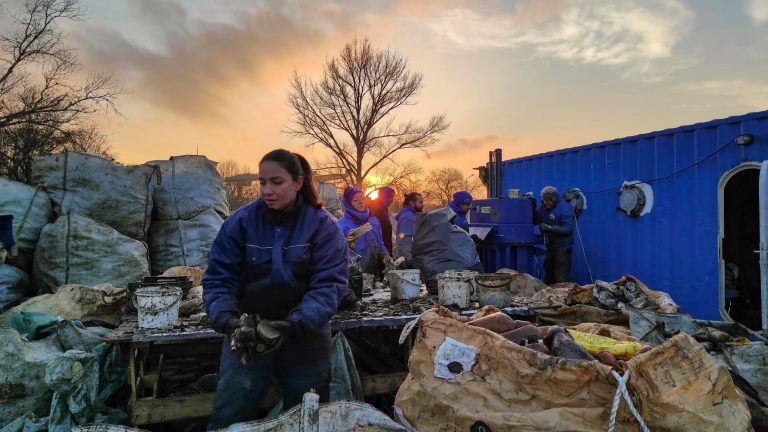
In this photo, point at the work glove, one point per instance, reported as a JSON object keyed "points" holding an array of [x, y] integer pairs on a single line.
{"points": [[288, 329], [351, 240], [389, 263], [252, 337]]}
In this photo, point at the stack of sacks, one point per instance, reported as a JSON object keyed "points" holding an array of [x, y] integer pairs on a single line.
{"points": [[103, 211], [190, 207]]}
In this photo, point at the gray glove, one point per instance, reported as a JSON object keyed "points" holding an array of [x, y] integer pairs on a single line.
{"points": [[252, 337]]}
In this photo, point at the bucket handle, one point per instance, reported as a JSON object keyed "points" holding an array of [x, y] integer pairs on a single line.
{"points": [[133, 300], [506, 280]]}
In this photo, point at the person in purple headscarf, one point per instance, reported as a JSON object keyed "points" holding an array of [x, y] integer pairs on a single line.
{"points": [[462, 201], [370, 245], [380, 208]]}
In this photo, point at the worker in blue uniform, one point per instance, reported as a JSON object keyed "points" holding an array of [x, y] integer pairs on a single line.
{"points": [[460, 204], [370, 245], [6, 236], [282, 259], [556, 224], [413, 204]]}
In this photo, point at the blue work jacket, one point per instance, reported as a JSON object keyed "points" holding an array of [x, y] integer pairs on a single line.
{"points": [[406, 221], [281, 265], [461, 218], [372, 240], [560, 218]]}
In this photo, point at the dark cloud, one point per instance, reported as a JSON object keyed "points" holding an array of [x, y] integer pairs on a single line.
{"points": [[488, 142], [198, 66]]}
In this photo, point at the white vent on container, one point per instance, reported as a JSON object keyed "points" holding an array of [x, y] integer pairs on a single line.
{"points": [[635, 198]]}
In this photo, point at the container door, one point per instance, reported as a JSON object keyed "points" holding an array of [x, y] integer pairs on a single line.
{"points": [[763, 200]]}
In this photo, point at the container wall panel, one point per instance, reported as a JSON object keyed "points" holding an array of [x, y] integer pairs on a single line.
{"points": [[674, 247]]}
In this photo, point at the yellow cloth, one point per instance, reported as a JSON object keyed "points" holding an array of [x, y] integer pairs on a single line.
{"points": [[594, 344]]}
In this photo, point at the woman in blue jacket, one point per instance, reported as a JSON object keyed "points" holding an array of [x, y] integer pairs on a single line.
{"points": [[370, 246], [281, 258]]}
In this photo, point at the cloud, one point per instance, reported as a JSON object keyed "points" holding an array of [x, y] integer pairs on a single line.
{"points": [[750, 93], [199, 69], [470, 143], [637, 38], [758, 11]]}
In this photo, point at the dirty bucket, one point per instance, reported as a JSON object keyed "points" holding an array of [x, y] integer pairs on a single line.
{"points": [[367, 282], [356, 285], [404, 284], [493, 289], [455, 288], [158, 306]]}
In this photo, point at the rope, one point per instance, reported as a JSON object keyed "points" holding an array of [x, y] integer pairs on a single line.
{"points": [[64, 179], [26, 213], [621, 391], [66, 247], [173, 186], [581, 242]]}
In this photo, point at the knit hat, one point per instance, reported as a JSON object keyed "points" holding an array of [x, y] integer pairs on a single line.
{"points": [[462, 197]]}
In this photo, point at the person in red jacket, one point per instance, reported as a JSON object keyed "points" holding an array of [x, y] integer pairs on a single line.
{"points": [[380, 208]]}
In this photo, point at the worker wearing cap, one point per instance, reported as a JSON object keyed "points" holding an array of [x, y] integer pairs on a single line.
{"points": [[556, 225], [462, 201]]}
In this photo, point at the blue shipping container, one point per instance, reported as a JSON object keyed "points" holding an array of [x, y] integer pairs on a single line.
{"points": [[678, 246]]}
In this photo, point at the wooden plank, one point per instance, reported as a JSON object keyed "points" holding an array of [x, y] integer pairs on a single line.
{"points": [[132, 374], [156, 384], [190, 349], [382, 384], [150, 410]]}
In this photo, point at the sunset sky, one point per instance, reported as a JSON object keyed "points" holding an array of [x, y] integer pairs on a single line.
{"points": [[526, 76]]}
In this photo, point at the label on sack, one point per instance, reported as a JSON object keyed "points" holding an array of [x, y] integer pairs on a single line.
{"points": [[453, 358]]}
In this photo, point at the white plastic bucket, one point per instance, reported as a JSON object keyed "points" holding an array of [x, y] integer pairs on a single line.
{"points": [[404, 284], [158, 306], [455, 288], [493, 289]]}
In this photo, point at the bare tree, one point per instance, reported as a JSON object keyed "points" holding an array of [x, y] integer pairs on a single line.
{"points": [[239, 182], [351, 110], [21, 144], [441, 183], [43, 107]]}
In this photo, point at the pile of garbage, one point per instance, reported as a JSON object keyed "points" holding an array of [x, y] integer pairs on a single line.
{"points": [[608, 355], [72, 244], [57, 370], [89, 220], [495, 372]]}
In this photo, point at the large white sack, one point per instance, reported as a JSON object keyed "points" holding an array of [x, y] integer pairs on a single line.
{"points": [[23, 375], [112, 194], [78, 250], [183, 242], [190, 186], [14, 285], [31, 210]]}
